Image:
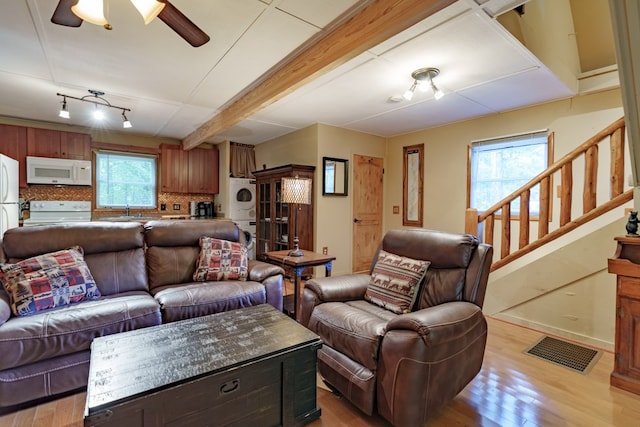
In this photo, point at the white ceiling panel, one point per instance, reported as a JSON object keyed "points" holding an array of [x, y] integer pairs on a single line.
{"points": [[318, 13], [271, 37], [173, 88]]}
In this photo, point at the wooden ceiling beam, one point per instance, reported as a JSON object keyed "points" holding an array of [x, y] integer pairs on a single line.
{"points": [[367, 27]]}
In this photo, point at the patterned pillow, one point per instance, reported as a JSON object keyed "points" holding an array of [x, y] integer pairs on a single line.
{"points": [[394, 282], [221, 260], [47, 281]]}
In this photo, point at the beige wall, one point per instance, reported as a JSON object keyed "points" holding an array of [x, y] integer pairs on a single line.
{"points": [[333, 218]]}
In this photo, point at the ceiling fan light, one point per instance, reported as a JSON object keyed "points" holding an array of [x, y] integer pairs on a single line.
{"points": [[149, 9], [91, 11]]}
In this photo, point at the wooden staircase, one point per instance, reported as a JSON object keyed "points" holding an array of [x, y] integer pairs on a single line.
{"points": [[484, 224]]}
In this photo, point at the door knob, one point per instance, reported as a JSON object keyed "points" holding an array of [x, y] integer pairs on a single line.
{"points": [[356, 220]]}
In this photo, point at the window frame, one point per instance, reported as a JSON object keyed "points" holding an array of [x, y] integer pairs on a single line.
{"points": [[124, 153], [502, 140]]}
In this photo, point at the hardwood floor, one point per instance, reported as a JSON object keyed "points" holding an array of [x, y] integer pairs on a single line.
{"points": [[513, 389]]}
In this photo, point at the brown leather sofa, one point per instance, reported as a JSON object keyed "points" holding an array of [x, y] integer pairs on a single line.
{"points": [[404, 366], [145, 277]]}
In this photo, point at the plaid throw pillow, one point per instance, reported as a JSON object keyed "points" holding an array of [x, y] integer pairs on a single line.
{"points": [[47, 281], [394, 282], [221, 260]]}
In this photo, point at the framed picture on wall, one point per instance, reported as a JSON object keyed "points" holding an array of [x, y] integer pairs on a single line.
{"points": [[413, 172]]}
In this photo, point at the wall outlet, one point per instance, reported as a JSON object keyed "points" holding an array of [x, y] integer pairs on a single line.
{"points": [[163, 206], [176, 206], [325, 250]]}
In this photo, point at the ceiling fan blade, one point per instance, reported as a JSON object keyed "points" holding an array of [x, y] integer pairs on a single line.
{"points": [[182, 25], [64, 16]]}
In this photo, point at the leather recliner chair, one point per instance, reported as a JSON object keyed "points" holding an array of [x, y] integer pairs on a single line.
{"points": [[404, 366]]}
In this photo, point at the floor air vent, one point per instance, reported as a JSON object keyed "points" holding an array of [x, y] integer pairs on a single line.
{"points": [[575, 357]]}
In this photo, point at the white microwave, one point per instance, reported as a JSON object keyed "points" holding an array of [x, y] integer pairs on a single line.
{"points": [[45, 170]]}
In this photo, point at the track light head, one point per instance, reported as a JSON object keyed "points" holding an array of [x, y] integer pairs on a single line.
{"points": [[64, 113], [125, 121]]}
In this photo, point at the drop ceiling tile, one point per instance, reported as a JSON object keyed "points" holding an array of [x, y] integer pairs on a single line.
{"points": [[272, 37], [318, 13]]}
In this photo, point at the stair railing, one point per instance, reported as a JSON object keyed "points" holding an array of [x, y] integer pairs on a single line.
{"points": [[483, 224]]}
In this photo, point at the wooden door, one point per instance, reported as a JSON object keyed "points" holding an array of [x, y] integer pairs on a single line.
{"points": [[367, 210]]}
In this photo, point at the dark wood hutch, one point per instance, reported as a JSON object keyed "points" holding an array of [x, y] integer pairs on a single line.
{"points": [[275, 220]]}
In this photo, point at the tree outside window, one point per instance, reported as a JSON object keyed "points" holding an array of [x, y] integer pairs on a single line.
{"points": [[125, 180], [500, 166]]}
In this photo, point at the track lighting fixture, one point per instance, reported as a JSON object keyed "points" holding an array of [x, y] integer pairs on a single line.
{"points": [[423, 78], [97, 99]]}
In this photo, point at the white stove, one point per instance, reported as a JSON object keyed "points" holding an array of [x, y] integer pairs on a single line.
{"points": [[57, 211]]}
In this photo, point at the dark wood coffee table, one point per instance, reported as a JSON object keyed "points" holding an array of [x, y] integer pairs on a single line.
{"points": [[249, 367]]}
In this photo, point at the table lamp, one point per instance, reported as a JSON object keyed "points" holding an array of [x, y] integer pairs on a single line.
{"points": [[296, 191]]}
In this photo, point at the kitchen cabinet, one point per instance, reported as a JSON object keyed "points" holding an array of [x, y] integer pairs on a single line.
{"points": [[13, 143], [58, 144], [175, 168], [203, 171], [193, 171], [275, 225], [626, 265]]}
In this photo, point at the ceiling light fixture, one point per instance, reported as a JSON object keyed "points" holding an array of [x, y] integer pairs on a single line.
{"points": [[423, 78], [97, 99]]}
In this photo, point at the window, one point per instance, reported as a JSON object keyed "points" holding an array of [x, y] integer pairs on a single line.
{"points": [[125, 179], [499, 166]]}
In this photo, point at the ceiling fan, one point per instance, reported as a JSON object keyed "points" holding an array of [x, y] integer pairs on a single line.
{"points": [[71, 13]]}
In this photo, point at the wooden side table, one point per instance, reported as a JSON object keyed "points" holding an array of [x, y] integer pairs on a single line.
{"points": [[298, 264]]}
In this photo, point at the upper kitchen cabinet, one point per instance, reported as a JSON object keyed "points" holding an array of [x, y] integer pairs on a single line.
{"points": [[174, 163], [193, 171], [58, 144], [203, 171], [13, 143]]}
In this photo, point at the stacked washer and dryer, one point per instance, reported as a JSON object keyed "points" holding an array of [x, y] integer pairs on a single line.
{"points": [[242, 208]]}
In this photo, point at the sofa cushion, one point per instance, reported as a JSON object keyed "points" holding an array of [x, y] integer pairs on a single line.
{"points": [[395, 281], [47, 281], [353, 328], [221, 260], [69, 329], [188, 300]]}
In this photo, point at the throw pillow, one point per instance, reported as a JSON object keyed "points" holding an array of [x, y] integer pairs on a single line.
{"points": [[221, 260], [47, 281], [394, 282]]}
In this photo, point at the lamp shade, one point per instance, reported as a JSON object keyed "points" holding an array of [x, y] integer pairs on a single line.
{"points": [[149, 9], [296, 190], [91, 11]]}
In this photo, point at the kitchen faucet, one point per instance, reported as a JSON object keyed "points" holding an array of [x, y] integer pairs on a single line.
{"points": [[126, 210]]}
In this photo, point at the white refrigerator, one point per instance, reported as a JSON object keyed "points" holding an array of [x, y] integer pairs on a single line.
{"points": [[9, 210]]}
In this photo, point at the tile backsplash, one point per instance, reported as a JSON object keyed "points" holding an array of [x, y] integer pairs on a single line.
{"points": [[49, 192]]}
